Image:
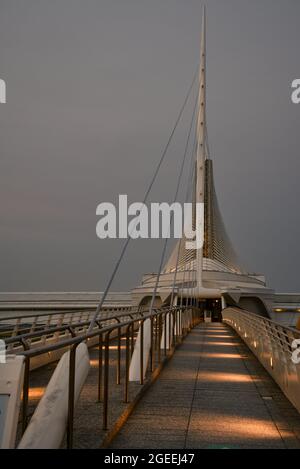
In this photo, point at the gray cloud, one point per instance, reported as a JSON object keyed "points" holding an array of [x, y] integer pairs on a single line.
{"points": [[93, 88]]}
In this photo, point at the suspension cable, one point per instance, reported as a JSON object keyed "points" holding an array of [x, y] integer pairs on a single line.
{"points": [[187, 195], [180, 242], [171, 218], [124, 248]]}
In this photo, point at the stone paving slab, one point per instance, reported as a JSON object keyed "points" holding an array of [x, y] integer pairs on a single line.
{"points": [[212, 394]]}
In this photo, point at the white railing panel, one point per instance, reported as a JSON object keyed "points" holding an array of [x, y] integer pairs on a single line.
{"points": [[272, 344]]}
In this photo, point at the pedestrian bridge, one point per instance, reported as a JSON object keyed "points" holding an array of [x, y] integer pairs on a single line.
{"points": [[164, 380], [214, 393], [146, 370]]}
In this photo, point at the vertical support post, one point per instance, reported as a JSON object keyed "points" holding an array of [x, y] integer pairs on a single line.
{"points": [[142, 353], [169, 332], [166, 340], [200, 149], [119, 357], [140, 356], [132, 339], [159, 337], [180, 322], [71, 396], [100, 359], [152, 347], [164, 335], [25, 394], [156, 331], [106, 382], [127, 363]]}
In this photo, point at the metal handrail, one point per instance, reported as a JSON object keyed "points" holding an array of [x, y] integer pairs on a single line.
{"points": [[69, 311], [272, 344], [126, 329], [77, 340], [51, 329], [268, 320], [18, 328]]}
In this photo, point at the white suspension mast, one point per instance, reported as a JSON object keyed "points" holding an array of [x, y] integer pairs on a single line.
{"points": [[200, 148]]}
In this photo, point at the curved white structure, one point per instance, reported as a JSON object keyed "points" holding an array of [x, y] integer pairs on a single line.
{"points": [[11, 381], [48, 423], [215, 270]]}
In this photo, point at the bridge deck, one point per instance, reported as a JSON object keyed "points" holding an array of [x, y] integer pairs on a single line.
{"points": [[212, 394]]}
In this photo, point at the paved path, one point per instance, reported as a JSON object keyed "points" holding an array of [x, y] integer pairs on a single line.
{"points": [[212, 394]]}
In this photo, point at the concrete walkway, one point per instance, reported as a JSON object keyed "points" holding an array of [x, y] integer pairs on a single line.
{"points": [[212, 394]]}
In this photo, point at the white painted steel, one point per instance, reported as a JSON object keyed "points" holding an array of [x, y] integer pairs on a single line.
{"points": [[38, 321], [166, 330], [48, 423], [271, 343], [32, 323], [11, 382], [135, 369]]}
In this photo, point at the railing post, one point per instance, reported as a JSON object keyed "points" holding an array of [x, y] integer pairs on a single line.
{"points": [[180, 323], [132, 339], [119, 357], [159, 337], [142, 353], [152, 349], [100, 359], [71, 396], [176, 326], [140, 356], [167, 332], [127, 363], [106, 381], [25, 393], [156, 337], [170, 316]]}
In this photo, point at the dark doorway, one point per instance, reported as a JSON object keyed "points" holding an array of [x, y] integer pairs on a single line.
{"points": [[213, 306]]}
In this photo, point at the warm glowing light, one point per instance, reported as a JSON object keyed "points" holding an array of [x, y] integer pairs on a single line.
{"points": [[221, 377], [115, 347], [245, 335], [220, 355], [278, 310], [231, 426], [271, 361], [35, 393], [221, 344], [255, 344], [94, 362], [214, 336]]}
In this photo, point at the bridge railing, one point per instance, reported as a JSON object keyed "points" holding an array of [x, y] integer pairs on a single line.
{"points": [[48, 335], [274, 345], [56, 328], [21, 323], [178, 321]]}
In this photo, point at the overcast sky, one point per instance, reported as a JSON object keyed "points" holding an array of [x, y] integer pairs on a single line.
{"points": [[93, 90]]}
